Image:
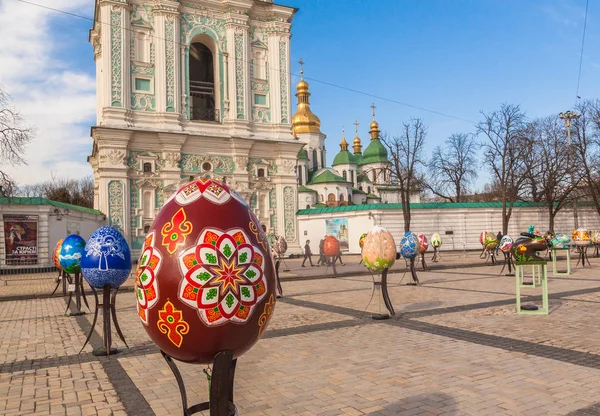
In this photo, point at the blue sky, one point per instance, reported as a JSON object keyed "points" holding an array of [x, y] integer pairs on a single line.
{"points": [[456, 57]]}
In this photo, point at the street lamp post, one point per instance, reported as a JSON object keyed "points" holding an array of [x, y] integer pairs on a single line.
{"points": [[567, 117]]}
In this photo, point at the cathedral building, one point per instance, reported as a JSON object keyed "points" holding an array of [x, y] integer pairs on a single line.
{"points": [[193, 89], [202, 88]]}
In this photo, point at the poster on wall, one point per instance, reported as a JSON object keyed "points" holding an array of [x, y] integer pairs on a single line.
{"points": [[338, 227], [20, 239]]}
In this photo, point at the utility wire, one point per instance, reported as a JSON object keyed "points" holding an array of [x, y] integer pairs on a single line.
{"points": [[248, 62], [587, 3]]}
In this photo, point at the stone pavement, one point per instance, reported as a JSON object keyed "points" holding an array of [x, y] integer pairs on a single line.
{"points": [[455, 347]]}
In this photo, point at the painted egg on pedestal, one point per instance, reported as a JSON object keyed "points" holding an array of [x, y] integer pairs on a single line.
{"points": [[436, 240], [379, 250], [71, 252], [280, 246], [409, 245], [361, 240], [423, 243], [581, 237], [595, 237], [560, 240], [506, 244], [107, 259], [490, 241], [56, 253], [331, 247], [205, 281], [482, 238]]}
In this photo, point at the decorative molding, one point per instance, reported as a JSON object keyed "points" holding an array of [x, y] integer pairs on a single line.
{"points": [[116, 58], [204, 24], [116, 204], [288, 165], [273, 210], [114, 156], [283, 81], [289, 213], [239, 75], [261, 115], [241, 162], [170, 63], [220, 164], [172, 159]]}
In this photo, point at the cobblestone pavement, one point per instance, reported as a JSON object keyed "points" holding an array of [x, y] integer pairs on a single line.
{"points": [[455, 347]]}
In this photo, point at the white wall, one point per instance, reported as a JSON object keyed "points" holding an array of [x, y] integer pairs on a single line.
{"points": [[466, 224]]}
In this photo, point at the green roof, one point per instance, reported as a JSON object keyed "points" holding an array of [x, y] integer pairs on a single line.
{"points": [[358, 191], [374, 153], [422, 205], [363, 178], [303, 154], [326, 176], [344, 157], [373, 196], [319, 205], [44, 201], [303, 188]]}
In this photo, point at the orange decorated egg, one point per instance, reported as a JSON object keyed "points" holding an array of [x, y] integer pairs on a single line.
{"points": [[423, 243], [332, 246], [205, 280], [379, 249], [55, 254]]}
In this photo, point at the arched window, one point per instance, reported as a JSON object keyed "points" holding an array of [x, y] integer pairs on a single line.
{"points": [[307, 206], [374, 175], [351, 176], [147, 167], [368, 189], [345, 175], [314, 159], [261, 173], [322, 199], [331, 198], [147, 204], [342, 198], [202, 84], [323, 157], [146, 228], [360, 188]]}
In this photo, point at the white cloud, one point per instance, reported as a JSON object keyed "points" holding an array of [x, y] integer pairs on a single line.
{"points": [[52, 97]]}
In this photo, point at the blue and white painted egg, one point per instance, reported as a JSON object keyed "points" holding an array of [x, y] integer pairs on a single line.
{"points": [[71, 252], [409, 245], [107, 259], [560, 240]]}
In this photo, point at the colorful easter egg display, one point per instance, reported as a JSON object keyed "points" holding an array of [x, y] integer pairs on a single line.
{"points": [[581, 237], [436, 240], [506, 244], [71, 252], [595, 237], [409, 245], [490, 241], [482, 238], [56, 253], [205, 281], [107, 259], [361, 240], [526, 250], [332, 246], [423, 243], [379, 250], [560, 240]]}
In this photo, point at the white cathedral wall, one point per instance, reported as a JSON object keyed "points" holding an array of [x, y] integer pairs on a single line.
{"points": [[464, 224]]}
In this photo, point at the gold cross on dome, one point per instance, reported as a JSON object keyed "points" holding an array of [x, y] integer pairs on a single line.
{"points": [[356, 126], [373, 107], [301, 62]]}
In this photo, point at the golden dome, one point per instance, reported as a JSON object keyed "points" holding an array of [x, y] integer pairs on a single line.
{"points": [[343, 143], [374, 126], [357, 146], [304, 120]]}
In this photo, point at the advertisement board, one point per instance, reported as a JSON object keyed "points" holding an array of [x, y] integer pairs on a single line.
{"points": [[338, 227], [20, 239]]}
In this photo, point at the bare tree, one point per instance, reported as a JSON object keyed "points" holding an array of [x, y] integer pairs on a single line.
{"points": [[453, 167], [504, 147], [71, 191], [585, 135], [551, 177], [406, 157], [14, 135]]}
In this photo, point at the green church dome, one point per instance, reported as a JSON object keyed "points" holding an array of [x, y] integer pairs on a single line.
{"points": [[374, 153], [344, 157], [303, 154]]}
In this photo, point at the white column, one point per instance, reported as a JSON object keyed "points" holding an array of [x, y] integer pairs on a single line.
{"points": [[274, 77]]}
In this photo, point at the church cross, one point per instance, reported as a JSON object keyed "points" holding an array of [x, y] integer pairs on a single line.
{"points": [[356, 126], [373, 107], [301, 62]]}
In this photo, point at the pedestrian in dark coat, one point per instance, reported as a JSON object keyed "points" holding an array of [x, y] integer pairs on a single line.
{"points": [[307, 254]]}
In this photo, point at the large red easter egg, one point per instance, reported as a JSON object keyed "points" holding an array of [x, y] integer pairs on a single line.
{"points": [[205, 279], [423, 243], [332, 246]]}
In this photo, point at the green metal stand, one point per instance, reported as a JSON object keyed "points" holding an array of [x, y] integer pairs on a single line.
{"points": [[539, 276], [555, 271]]}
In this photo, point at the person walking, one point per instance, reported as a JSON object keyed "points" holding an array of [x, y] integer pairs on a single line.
{"points": [[338, 257], [307, 254], [499, 238], [322, 259]]}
